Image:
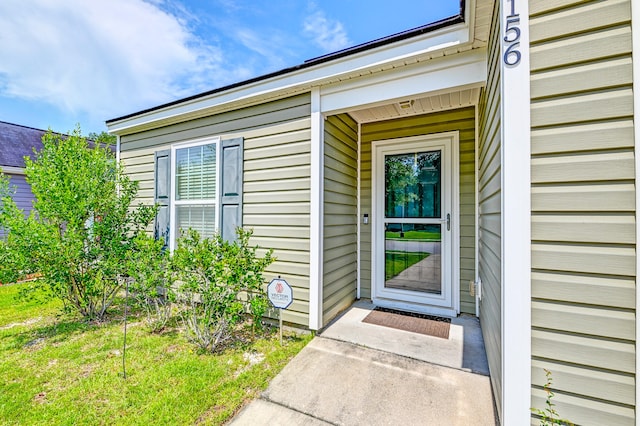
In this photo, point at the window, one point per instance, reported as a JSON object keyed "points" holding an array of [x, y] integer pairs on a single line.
{"points": [[195, 181], [199, 185]]}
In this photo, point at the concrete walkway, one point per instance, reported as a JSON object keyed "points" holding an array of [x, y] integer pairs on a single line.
{"points": [[333, 381]]}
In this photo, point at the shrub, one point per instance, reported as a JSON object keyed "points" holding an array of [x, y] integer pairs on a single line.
{"points": [[82, 226], [147, 264], [210, 277], [11, 263]]}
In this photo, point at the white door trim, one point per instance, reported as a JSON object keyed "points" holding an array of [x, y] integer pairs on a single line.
{"points": [[450, 307]]}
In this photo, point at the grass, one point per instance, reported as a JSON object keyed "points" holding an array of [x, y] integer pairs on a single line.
{"points": [[398, 261], [58, 370], [414, 236]]}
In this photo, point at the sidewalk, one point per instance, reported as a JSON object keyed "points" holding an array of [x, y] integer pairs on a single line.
{"points": [[338, 382]]}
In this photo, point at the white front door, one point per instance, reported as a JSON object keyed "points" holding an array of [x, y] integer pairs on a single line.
{"points": [[415, 224]]}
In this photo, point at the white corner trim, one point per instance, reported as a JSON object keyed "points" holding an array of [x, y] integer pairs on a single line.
{"points": [[516, 222], [476, 207], [317, 210], [118, 146], [635, 34], [12, 170], [359, 212], [470, 16]]}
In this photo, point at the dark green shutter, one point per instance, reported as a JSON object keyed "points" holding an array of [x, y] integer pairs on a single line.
{"points": [[163, 195], [231, 187]]}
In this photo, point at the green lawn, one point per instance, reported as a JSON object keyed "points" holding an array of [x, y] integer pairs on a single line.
{"points": [[414, 235], [398, 261], [63, 371]]}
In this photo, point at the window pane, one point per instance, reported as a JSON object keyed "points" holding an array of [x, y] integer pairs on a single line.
{"points": [[196, 172], [412, 185], [412, 257], [198, 217]]}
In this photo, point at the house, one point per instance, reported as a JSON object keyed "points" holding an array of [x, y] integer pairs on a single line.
{"points": [[496, 150], [17, 142]]}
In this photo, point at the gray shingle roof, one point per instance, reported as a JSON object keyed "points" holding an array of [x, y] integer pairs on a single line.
{"points": [[16, 142]]}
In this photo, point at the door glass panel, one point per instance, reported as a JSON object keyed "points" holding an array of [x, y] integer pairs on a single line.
{"points": [[413, 185], [412, 257]]}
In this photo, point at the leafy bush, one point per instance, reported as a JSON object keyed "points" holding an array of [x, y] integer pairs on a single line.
{"points": [[12, 263], [210, 276], [147, 265], [82, 226]]}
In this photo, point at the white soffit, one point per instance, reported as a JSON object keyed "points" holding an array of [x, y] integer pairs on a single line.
{"points": [[423, 105]]}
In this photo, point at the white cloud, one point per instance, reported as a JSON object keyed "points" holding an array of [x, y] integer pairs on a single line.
{"points": [[328, 34], [273, 47], [102, 58]]}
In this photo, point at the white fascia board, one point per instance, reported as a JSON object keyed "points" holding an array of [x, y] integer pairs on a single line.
{"points": [[515, 115], [298, 81], [463, 70], [12, 170]]}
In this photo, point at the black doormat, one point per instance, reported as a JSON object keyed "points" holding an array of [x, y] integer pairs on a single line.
{"points": [[414, 323]]}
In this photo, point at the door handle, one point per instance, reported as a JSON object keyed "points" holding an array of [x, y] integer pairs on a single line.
{"points": [[448, 221]]}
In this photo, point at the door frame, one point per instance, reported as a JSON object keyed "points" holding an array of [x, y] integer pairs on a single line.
{"points": [[451, 139]]}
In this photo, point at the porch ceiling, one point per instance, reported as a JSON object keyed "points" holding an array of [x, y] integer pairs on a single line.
{"points": [[424, 105]]}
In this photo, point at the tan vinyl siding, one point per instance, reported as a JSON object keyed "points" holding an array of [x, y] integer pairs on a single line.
{"points": [[490, 213], [583, 209], [462, 120], [340, 214], [276, 199]]}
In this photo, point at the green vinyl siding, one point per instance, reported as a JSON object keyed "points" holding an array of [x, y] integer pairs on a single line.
{"points": [[462, 120], [340, 214], [276, 176], [583, 209], [490, 213]]}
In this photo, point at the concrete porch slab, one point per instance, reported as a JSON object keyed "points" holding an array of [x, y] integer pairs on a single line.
{"points": [[463, 350], [355, 373]]}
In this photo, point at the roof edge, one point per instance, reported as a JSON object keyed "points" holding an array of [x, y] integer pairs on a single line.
{"points": [[434, 26], [28, 127], [452, 20]]}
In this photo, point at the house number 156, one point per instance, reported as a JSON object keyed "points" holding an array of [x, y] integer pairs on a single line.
{"points": [[512, 55]]}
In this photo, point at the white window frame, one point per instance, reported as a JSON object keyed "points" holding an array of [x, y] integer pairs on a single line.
{"points": [[173, 203]]}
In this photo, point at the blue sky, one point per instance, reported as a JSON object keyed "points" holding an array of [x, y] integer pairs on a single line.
{"points": [[64, 62]]}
